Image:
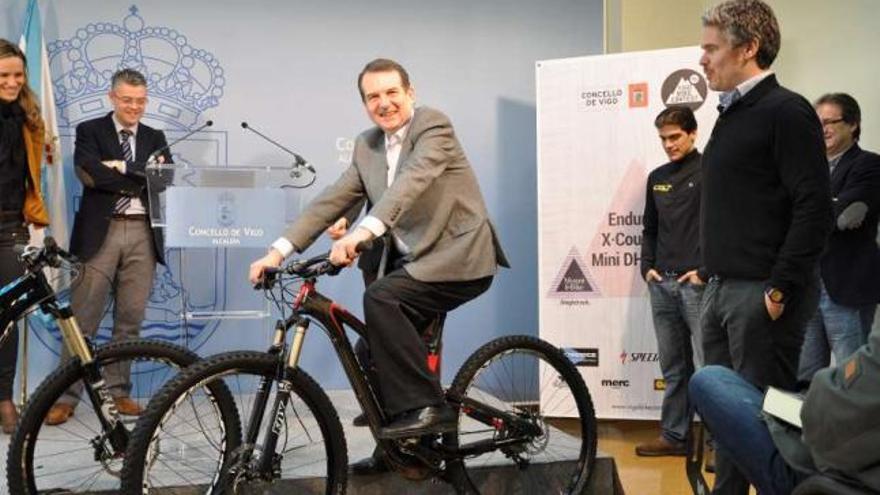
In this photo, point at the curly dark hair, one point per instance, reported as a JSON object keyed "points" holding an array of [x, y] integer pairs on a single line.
{"points": [[743, 21]]}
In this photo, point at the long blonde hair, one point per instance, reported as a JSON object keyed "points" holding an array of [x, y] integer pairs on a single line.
{"points": [[26, 98]]}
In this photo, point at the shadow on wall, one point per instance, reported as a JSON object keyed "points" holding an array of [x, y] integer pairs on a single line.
{"points": [[517, 217]]}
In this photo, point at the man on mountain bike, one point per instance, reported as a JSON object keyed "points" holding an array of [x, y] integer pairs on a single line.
{"points": [[440, 248]]}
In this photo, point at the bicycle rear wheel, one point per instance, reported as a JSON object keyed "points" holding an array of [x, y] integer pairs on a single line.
{"points": [[76, 456], [173, 447], [528, 378]]}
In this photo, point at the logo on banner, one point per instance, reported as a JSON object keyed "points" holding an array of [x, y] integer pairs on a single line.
{"points": [[659, 384], [602, 98], [183, 80], [587, 357], [638, 95], [684, 87], [616, 384], [226, 209], [573, 283], [639, 357]]}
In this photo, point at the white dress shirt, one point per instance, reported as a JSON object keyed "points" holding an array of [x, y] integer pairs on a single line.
{"points": [[393, 145]]}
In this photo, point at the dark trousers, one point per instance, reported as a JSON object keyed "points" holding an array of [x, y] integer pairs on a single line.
{"points": [[739, 334], [10, 269], [397, 307]]}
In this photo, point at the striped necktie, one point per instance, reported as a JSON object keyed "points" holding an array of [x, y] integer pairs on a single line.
{"points": [[124, 202]]}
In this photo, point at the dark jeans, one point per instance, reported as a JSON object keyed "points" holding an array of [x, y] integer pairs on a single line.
{"points": [[739, 334], [396, 307], [731, 407], [675, 308], [834, 329], [10, 269]]}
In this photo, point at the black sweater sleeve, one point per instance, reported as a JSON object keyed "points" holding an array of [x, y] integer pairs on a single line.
{"points": [[803, 170]]}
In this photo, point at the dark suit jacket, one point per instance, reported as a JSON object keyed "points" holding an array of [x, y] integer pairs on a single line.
{"points": [[97, 141], [851, 263], [434, 204]]}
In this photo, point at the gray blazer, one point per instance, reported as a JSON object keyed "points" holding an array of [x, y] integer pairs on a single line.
{"points": [[841, 416], [841, 420], [434, 204]]}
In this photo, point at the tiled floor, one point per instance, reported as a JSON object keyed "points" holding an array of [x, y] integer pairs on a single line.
{"points": [[643, 475], [84, 425], [640, 476]]}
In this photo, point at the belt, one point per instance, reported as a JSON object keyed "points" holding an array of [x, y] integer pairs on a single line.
{"points": [[140, 217]]}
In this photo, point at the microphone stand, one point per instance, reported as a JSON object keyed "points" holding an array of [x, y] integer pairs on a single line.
{"points": [[299, 161], [155, 154]]}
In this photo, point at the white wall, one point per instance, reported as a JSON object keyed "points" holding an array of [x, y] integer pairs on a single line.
{"points": [[826, 46]]}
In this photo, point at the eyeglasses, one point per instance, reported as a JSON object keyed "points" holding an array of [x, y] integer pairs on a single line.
{"points": [[129, 101], [826, 123]]}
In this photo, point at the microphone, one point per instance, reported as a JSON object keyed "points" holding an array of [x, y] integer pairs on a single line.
{"points": [[163, 149], [299, 160]]}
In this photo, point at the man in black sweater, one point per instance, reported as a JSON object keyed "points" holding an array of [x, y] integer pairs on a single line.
{"points": [[670, 258], [766, 209]]}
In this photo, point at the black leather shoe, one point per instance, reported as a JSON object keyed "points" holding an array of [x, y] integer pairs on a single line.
{"points": [[424, 421], [375, 464], [360, 420]]}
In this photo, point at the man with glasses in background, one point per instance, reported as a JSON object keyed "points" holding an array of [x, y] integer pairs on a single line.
{"points": [[851, 263], [111, 231]]}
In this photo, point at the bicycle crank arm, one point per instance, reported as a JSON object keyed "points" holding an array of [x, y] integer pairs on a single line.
{"points": [[497, 418], [480, 447]]}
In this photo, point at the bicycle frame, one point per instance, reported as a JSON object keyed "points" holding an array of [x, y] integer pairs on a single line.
{"points": [[309, 304], [333, 318], [32, 289]]}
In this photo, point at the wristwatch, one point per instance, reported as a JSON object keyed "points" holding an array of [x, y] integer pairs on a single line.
{"points": [[775, 295]]}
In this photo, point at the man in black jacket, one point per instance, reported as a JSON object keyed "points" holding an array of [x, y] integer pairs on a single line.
{"points": [[851, 263], [766, 208], [670, 258], [111, 231]]}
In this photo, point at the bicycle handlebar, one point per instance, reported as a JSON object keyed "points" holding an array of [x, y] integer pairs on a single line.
{"points": [[309, 268], [51, 254]]}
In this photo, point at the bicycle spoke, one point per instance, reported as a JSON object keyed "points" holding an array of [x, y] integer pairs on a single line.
{"points": [[76, 456], [528, 382], [190, 444]]}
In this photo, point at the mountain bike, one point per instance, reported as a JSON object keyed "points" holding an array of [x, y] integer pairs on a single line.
{"points": [[292, 436], [85, 453]]}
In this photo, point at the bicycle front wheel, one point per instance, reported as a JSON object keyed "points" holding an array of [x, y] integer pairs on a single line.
{"points": [[530, 379], [174, 447], [77, 456]]}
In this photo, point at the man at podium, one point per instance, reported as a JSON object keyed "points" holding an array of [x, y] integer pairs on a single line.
{"points": [[111, 231]]}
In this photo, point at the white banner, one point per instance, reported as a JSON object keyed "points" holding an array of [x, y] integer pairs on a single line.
{"points": [[596, 145]]}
